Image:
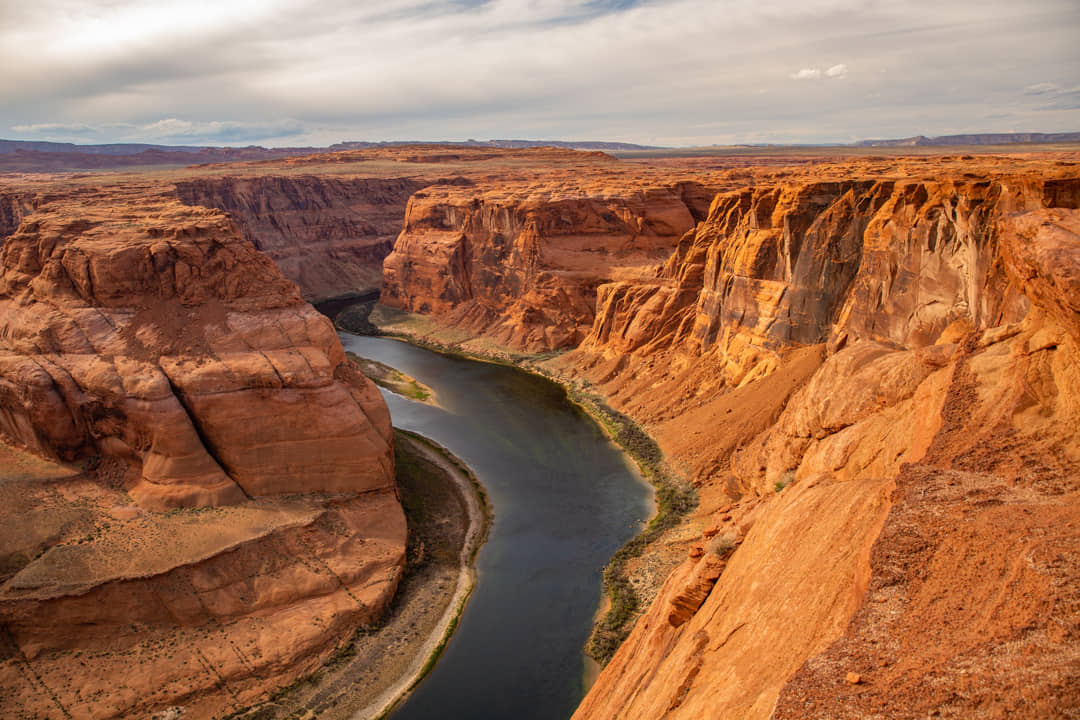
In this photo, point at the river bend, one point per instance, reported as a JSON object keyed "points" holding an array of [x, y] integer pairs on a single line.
{"points": [[564, 497]]}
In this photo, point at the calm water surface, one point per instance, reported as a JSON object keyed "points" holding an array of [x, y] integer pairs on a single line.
{"points": [[565, 498]]}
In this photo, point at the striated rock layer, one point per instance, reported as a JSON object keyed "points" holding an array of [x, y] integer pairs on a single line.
{"points": [[907, 513], [522, 264], [329, 235], [867, 368], [147, 343], [157, 335]]}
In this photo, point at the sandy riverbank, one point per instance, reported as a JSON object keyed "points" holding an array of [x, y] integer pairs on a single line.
{"points": [[448, 521]]}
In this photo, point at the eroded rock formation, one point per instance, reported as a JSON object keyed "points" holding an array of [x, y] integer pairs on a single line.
{"points": [[522, 265], [867, 368], [165, 363], [156, 334], [329, 235], [856, 363], [943, 417]]}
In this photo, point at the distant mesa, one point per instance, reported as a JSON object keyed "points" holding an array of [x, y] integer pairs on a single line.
{"points": [[42, 156], [975, 139], [509, 145]]}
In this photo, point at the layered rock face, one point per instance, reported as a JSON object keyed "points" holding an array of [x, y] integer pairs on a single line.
{"points": [[902, 262], [14, 206], [156, 334], [161, 362], [522, 265], [329, 235], [857, 364], [905, 512]]}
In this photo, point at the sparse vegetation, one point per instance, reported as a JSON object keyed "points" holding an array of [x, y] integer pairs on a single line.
{"points": [[674, 499], [720, 545], [393, 380]]}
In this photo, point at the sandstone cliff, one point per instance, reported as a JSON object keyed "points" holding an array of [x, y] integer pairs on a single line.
{"points": [[867, 369], [329, 235], [896, 514], [161, 362], [522, 265], [156, 334], [14, 206]]}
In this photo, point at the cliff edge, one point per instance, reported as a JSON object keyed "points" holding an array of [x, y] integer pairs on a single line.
{"points": [[210, 508], [868, 371]]}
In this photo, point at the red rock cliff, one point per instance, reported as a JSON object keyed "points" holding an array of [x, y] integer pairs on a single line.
{"points": [[328, 235], [14, 206], [522, 265], [856, 363], [164, 363], [928, 468], [158, 335]]}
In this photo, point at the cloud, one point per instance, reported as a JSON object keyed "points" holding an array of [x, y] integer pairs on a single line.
{"points": [[50, 129], [836, 72], [1054, 97], [635, 70], [1042, 88], [217, 131]]}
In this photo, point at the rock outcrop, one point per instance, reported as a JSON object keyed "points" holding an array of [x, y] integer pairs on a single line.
{"points": [[329, 235], [164, 363], [854, 363], [868, 369], [14, 206], [521, 265], [907, 516], [156, 334]]}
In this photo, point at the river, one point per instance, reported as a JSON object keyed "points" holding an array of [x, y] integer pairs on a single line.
{"points": [[565, 499]]}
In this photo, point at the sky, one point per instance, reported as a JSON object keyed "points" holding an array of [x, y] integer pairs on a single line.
{"points": [[660, 72]]}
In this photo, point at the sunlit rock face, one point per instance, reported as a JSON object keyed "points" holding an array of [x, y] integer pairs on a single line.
{"points": [[887, 501], [152, 359], [522, 265], [156, 334]]}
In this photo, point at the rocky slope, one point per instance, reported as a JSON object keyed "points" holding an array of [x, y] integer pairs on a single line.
{"points": [[164, 363], [857, 364], [929, 468], [329, 235]]}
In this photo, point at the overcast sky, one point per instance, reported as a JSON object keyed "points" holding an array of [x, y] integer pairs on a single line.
{"points": [[668, 72]]}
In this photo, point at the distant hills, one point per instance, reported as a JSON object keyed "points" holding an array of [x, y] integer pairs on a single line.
{"points": [[507, 144], [40, 156], [975, 139], [35, 156]]}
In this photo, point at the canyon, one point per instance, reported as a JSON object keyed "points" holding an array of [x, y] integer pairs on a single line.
{"points": [[865, 366], [215, 507], [866, 369]]}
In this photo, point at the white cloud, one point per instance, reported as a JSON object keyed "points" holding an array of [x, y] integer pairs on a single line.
{"points": [[836, 71], [1042, 88], [636, 70], [50, 129], [169, 130]]}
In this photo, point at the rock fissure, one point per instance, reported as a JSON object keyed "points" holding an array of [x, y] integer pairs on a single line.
{"points": [[201, 433]]}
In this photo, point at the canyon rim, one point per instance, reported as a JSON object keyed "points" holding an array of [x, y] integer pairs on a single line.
{"points": [[863, 368]]}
